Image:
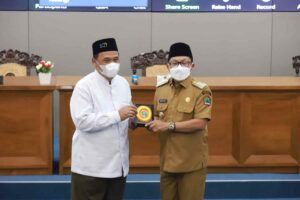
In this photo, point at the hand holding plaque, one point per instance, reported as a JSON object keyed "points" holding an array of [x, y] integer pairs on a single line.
{"points": [[144, 114]]}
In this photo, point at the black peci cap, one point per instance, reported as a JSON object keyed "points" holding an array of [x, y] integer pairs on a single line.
{"points": [[108, 44], [180, 49]]}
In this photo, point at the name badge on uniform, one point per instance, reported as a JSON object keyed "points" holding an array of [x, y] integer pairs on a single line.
{"points": [[163, 100]]}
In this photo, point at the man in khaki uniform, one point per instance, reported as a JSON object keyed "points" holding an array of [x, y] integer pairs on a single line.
{"points": [[182, 109]]}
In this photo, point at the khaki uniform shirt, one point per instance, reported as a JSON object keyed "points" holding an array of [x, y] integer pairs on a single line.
{"points": [[177, 102]]}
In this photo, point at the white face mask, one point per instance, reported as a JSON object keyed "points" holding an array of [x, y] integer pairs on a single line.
{"points": [[110, 70], [180, 73]]}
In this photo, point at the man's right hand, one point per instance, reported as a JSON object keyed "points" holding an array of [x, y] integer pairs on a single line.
{"points": [[127, 112]]}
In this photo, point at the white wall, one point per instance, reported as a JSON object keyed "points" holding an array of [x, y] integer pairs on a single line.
{"points": [[223, 44]]}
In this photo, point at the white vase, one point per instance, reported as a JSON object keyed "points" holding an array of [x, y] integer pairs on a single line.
{"points": [[45, 78]]}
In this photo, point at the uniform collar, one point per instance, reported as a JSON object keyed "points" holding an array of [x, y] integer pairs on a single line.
{"points": [[185, 83]]}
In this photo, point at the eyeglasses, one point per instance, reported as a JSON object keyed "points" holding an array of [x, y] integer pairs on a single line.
{"points": [[176, 64]]}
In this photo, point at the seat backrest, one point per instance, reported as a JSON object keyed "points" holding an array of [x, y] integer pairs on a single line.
{"points": [[155, 70], [296, 60], [296, 64], [151, 64], [17, 63]]}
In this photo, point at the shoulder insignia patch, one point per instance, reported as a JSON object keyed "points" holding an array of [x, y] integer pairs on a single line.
{"points": [[161, 80], [207, 101], [199, 84]]}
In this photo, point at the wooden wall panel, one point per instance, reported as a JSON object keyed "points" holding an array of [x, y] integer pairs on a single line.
{"points": [[255, 127], [144, 145], [269, 129], [25, 132], [296, 129], [67, 130], [223, 130]]}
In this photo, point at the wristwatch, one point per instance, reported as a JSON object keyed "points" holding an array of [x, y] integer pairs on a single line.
{"points": [[171, 126]]}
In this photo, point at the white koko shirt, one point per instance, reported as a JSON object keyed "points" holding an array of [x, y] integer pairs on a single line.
{"points": [[100, 142]]}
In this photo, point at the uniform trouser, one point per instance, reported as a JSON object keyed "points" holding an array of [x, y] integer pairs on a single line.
{"points": [[183, 186], [93, 188]]}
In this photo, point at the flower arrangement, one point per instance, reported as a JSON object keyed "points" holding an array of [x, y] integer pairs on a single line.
{"points": [[44, 67]]}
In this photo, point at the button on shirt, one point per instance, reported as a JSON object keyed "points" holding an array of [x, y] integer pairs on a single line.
{"points": [[100, 142]]}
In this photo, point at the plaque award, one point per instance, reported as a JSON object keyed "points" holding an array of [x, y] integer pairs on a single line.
{"points": [[144, 114]]}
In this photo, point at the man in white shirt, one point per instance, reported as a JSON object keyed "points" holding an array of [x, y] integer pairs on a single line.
{"points": [[101, 108]]}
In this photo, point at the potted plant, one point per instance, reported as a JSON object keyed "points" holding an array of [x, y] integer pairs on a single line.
{"points": [[44, 70]]}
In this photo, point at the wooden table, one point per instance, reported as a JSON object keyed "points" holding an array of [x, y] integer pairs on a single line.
{"points": [[25, 126], [255, 125]]}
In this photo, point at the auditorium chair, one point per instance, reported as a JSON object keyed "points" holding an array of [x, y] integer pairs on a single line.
{"points": [[296, 64], [17, 63], [152, 64]]}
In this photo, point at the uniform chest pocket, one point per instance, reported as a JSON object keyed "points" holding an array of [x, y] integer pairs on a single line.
{"points": [[185, 110], [186, 105]]}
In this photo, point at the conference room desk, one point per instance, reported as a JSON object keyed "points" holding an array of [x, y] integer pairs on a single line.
{"points": [[255, 125], [144, 146], [25, 126]]}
